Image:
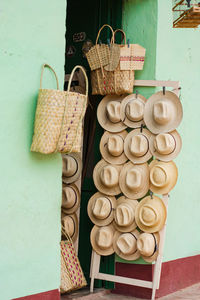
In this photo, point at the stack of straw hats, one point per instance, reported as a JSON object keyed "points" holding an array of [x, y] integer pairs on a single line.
{"points": [[138, 146], [72, 167]]}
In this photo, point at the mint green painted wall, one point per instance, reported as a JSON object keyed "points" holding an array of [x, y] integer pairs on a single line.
{"points": [[31, 33], [178, 59]]}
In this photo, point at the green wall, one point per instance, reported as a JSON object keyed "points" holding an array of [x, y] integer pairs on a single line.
{"points": [[31, 33]]}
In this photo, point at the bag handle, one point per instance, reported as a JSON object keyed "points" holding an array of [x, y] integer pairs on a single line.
{"points": [[105, 25], [123, 35], [66, 234], [72, 75], [41, 78]]}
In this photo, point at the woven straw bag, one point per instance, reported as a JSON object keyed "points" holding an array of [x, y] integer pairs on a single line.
{"points": [[58, 118], [72, 277]]}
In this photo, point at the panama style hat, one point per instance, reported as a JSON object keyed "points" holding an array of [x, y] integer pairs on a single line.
{"points": [[125, 244], [70, 225], [163, 176], [101, 209], [124, 215], [70, 198], [136, 146], [132, 110], [106, 178], [134, 180], [150, 214], [102, 239], [112, 147], [148, 246], [163, 112], [72, 167], [108, 113], [165, 146]]}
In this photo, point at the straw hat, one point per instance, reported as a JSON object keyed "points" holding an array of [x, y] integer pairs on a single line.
{"points": [[124, 215], [125, 245], [108, 113], [106, 178], [163, 176], [136, 146], [101, 209], [112, 147], [70, 198], [163, 113], [132, 110], [134, 180], [72, 167], [147, 245], [102, 239], [70, 225], [165, 146], [150, 214]]}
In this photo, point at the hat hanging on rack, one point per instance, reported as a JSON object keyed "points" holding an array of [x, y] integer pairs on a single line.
{"points": [[101, 209], [148, 246], [136, 146], [112, 147], [102, 239], [72, 167], [163, 112], [70, 198], [70, 225]]}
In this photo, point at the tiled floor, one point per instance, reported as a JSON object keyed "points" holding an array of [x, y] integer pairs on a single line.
{"points": [[190, 293]]}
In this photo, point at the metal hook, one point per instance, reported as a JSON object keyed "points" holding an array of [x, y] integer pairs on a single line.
{"points": [[151, 194], [136, 92], [141, 128], [164, 89], [108, 41], [128, 42]]}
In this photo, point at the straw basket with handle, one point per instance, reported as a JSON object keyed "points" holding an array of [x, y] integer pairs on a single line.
{"points": [[58, 118]]}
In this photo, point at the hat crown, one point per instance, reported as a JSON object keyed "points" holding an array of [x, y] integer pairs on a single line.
{"points": [[138, 145], [70, 197], [70, 166], [149, 215], [133, 179], [146, 244], [69, 225], [109, 176], [104, 237], [115, 145], [124, 215], [162, 112], [127, 243], [113, 111], [135, 110], [164, 143], [101, 208], [158, 176]]}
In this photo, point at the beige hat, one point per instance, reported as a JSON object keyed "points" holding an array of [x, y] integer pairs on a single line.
{"points": [[136, 146], [112, 147], [150, 214], [124, 215], [106, 178], [70, 198], [147, 245], [165, 146], [102, 239], [125, 245], [163, 112], [70, 225], [132, 110], [134, 180], [108, 113], [72, 167], [163, 176], [101, 209]]}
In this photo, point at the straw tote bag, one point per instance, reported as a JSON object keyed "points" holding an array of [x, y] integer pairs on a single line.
{"points": [[58, 118], [72, 277]]}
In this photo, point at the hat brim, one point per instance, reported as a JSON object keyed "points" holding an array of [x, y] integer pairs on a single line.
{"points": [[77, 174], [131, 157], [166, 157], [172, 169], [163, 212], [133, 256], [153, 257], [102, 115], [94, 219], [125, 120], [148, 112], [96, 248], [97, 181], [145, 180], [71, 210], [133, 225], [115, 160], [75, 220]]}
